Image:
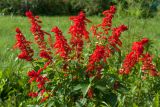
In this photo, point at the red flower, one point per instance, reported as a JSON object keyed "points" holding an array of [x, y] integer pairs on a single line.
{"points": [[90, 93], [114, 39], [107, 20], [78, 31], [133, 57], [147, 65], [61, 43], [41, 81], [44, 99], [33, 94], [24, 45], [45, 54], [97, 55], [38, 33]]}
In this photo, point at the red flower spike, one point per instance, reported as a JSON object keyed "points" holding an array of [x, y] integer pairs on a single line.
{"points": [[24, 45], [106, 24], [133, 57], [147, 65], [114, 39], [45, 54], [78, 32], [107, 20], [33, 94], [44, 99], [39, 34], [98, 54], [61, 44], [90, 93]]}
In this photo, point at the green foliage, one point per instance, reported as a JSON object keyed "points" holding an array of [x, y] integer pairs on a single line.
{"points": [[14, 85]]}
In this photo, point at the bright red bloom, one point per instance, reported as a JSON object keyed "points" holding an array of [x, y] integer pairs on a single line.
{"points": [[90, 93], [24, 45], [33, 94], [147, 65], [45, 54], [61, 43], [38, 33], [78, 29], [33, 75], [41, 81], [138, 47], [128, 63], [97, 55], [44, 99], [78, 32], [107, 20], [114, 39], [133, 57]]}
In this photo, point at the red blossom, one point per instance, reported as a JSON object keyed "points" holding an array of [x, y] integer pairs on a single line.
{"points": [[114, 39], [33, 94], [106, 24], [45, 54], [90, 93], [148, 65], [24, 45], [61, 43], [78, 32], [97, 55], [107, 20], [133, 57], [44, 99], [38, 33]]}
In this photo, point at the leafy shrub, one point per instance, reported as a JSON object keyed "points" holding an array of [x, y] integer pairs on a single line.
{"points": [[88, 71]]}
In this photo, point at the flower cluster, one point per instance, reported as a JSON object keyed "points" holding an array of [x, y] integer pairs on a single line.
{"points": [[78, 32], [38, 34], [114, 39], [107, 20], [24, 45], [97, 55], [147, 65], [61, 43], [36, 76], [133, 57], [105, 25]]}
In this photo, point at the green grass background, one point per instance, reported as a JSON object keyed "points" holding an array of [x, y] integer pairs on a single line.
{"points": [[138, 28]]}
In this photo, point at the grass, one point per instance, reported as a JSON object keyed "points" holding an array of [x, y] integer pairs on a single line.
{"points": [[138, 28], [14, 68]]}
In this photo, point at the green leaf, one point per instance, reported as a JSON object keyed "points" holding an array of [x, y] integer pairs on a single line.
{"points": [[85, 88], [81, 103], [77, 87], [156, 101], [101, 88], [0, 74], [134, 105]]}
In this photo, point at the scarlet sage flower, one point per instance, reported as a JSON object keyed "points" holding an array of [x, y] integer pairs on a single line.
{"points": [[39, 34], [133, 57], [78, 32], [148, 65], [114, 39], [90, 93], [107, 20], [24, 45], [61, 44], [78, 29], [105, 25], [44, 99], [33, 94], [96, 56], [33, 75]]}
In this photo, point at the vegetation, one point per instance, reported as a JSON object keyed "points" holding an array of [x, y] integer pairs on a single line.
{"points": [[111, 88]]}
